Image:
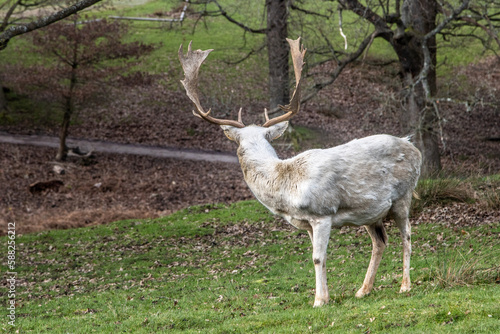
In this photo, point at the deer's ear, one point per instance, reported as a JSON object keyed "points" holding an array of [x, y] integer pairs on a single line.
{"points": [[276, 131], [231, 132]]}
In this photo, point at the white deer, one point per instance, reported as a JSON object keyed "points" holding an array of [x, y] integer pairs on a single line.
{"points": [[356, 184]]}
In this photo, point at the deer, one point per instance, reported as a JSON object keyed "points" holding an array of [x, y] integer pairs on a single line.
{"points": [[358, 183]]}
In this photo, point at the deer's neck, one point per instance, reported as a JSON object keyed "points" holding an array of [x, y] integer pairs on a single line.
{"points": [[257, 159], [267, 176]]}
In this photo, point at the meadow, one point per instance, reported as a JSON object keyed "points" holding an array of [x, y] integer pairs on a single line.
{"points": [[236, 268]]}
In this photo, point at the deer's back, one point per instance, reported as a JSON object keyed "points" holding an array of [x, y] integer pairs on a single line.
{"points": [[367, 174]]}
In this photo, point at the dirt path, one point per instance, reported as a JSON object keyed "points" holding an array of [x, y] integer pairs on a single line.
{"points": [[109, 147]]}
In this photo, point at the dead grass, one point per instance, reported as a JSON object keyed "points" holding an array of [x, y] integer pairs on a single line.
{"points": [[492, 199], [43, 219], [464, 270], [482, 192], [433, 192], [489, 190]]}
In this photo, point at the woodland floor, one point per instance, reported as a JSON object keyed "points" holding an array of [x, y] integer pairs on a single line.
{"points": [[110, 187]]}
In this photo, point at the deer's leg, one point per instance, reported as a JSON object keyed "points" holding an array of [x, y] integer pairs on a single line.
{"points": [[310, 232], [401, 210], [320, 235], [379, 241], [303, 225], [405, 229]]}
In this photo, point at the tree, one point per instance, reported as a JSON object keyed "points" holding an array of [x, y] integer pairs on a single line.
{"points": [[414, 41], [414, 21], [276, 32], [11, 25], [278, 52], [82, 57], [410, 27]]}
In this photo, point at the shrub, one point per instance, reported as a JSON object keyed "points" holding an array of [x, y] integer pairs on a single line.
{"points": [[442, 191], [457, 269]]}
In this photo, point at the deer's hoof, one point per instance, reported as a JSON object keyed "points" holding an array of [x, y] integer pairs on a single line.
{"points": [[319, 302], [404, 289], [361, 293]]}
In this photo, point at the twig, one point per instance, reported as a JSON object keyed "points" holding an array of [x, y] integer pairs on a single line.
{"points": [[340, 29]]}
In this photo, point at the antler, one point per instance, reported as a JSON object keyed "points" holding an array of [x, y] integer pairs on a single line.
{"points": [[191, 65], [291, 109]]}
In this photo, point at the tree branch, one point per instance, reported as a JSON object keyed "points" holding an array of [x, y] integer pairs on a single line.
{"points": [[239, 24], [305, 11], [366, 13], [341, 65], [483, 27], [9, 13], [248, 55], [338, 70], [427, 56], [11, 32]]}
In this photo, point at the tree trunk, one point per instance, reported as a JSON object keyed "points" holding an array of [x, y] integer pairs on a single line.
{"points": [[62, 152], [3, 100], [278, 52], [418, 117]]}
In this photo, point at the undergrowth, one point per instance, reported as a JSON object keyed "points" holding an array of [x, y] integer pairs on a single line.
{"points": [[441, 191], [455, 268]]}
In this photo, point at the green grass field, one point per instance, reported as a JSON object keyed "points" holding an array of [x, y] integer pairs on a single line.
{"points": [[221, 269]]}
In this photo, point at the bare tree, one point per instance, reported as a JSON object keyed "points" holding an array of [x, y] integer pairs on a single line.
{"points": [[410, 27], [76, 72], [276, 31], [413, 39], [11, 25]]}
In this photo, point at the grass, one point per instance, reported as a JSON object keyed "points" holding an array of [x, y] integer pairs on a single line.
{"points": [[47, 114], [443, 190], [463, 269], [489, 188], [235, 268]]}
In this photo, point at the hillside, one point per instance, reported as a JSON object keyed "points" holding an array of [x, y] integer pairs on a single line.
{"points": [[219, 269]]}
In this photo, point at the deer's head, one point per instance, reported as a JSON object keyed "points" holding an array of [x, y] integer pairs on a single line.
{"points": [[236, 130]]}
